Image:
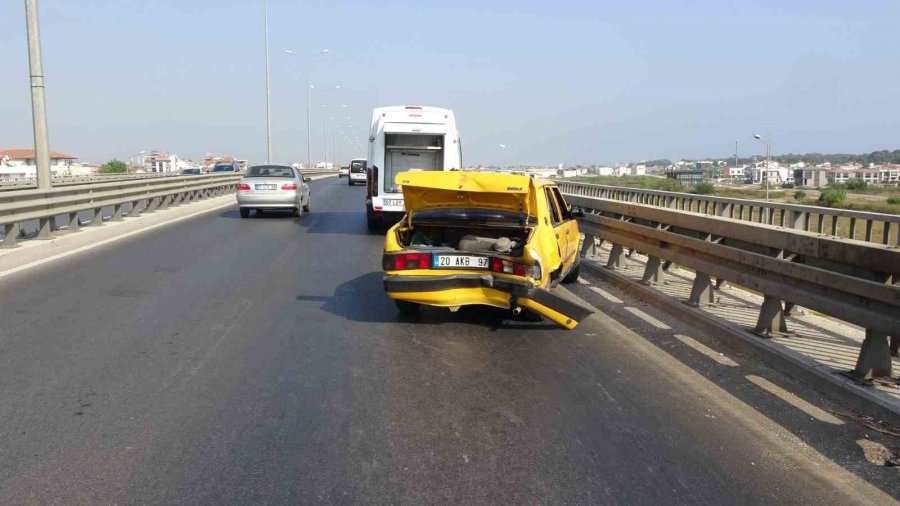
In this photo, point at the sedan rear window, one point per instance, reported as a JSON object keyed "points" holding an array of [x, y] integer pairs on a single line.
{"points": [[270, 171]]}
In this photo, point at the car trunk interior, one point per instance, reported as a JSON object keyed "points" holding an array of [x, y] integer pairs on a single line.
{"points": [[497, 240]]}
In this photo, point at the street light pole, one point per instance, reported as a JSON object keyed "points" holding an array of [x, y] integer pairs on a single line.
{"points": [[308, 92], [268, 108], [325, 131], [768, 159], [38, 107]]}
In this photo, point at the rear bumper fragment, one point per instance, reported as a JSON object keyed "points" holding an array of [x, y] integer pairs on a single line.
{"points": [[550, 305]]}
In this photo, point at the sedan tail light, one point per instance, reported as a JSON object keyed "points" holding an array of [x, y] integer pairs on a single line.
{"points": [[407, 261], [517, 269], [289, 186], [243, 187]]}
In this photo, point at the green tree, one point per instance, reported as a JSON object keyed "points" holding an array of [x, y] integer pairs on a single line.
{"points": [[833, 197], [799, 195], [114, 166], [856, 184], [705, 189]]}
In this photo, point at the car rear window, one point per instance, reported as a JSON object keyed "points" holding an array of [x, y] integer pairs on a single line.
{"points": [[223, 168], [357, 167], [270, 171]]}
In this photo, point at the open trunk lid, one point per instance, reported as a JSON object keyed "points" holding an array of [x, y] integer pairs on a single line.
{"points": [[457, 189]]}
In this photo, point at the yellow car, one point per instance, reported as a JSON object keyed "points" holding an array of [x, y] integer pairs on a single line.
{"points": [[482, 238]]}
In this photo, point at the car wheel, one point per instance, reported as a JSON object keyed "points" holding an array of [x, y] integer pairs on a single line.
{"points": [[258, 213], [245, 212], [572, 276], [296, 212], [349, 181], [308, 206], [407, 308]]}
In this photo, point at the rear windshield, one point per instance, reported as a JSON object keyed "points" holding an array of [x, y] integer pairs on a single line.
{"points": [[270, 171], [223, 168], [472, 216], [357, 167]]}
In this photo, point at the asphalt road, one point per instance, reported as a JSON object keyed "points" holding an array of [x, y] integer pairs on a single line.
{"points": [[221, 360]]}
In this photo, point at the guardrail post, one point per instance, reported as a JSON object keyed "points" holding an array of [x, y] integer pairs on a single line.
{"points": [[701, 291], [164, 202], [616, 257], [117, 213], [590, 242], [97, 218], [74, 222], [44, 228], [874, 359], [654, 272], [135, 209], [10, 234], [796, 219], [771, 318]]}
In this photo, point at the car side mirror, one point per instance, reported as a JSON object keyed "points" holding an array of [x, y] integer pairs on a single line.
{"points": [[307, 179], [578, 212]]}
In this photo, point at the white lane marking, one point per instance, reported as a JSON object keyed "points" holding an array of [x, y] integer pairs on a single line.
{"points": [[583, 281], [97, 244], [606, 295], [793, 400], [706, 350], [647, 318]]}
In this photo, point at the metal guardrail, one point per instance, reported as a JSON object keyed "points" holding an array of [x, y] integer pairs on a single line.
{"points": [[21, 184], [870, 227], [146, 194], [851, 280]]}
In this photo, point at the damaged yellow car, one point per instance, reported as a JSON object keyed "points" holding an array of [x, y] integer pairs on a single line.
{"points": [[483, 238]]}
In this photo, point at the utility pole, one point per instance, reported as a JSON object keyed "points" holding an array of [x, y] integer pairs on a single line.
{"points": [[735, 153], [38, 107], [268, 109]]}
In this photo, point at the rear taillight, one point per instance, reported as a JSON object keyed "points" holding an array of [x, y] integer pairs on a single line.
{"points": [[243, 187], [407, 261], [509, 267], [289, 186]]}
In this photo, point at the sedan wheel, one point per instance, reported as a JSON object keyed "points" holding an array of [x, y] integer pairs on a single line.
{"points": [[245, 212]]}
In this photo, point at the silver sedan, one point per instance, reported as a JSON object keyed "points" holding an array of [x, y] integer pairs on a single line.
{"points": [[266, 187]]}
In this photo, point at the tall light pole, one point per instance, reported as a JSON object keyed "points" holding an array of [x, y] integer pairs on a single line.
{"points": [[268, 108], [38, 108], [325, 131], [768, 144], [309, 87]]}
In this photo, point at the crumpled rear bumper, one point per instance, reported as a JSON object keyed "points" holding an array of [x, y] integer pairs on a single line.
{"points": [[463, 289]]}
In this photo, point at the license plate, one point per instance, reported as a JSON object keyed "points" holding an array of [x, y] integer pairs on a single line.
{"points": [[393, 202], [266, 186], [459, 261]]}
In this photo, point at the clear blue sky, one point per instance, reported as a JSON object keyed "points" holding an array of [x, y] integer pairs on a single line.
{"points": [[563, 81]]}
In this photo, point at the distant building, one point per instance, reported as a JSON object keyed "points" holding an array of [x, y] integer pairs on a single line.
{"points": [[639, 170], [687, 177], [605, 171], [21, 164], [164, 163], [811, 176]]}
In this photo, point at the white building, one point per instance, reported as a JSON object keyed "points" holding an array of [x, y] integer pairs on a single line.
{"points": [[639, 170], [605, 171], [164, 163], [21, 164]]}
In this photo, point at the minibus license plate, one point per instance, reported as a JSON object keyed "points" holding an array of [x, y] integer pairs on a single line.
{"points": [[460, 261]]}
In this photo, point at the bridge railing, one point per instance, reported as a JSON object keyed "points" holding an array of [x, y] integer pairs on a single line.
{"points": [[143, 195], [845, 223], [25, 183], [852, 280]]}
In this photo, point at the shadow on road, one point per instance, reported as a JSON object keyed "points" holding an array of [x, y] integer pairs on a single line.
{"points": [[335, 222], [362, 299]]}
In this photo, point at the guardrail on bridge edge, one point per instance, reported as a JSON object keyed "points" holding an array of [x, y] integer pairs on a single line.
{"points": [[851, 280]]}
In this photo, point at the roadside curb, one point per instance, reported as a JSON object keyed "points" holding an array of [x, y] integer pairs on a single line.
{"points": [[832, 384]]}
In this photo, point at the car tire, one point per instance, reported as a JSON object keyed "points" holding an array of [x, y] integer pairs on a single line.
{"points": [[349, 181], [245, 212], [407, 308], [308, 207], [572, 276], [258, 213], [296, 212]]}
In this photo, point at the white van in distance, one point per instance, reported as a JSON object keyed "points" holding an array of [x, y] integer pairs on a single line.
{"points": [[406, 138]]}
